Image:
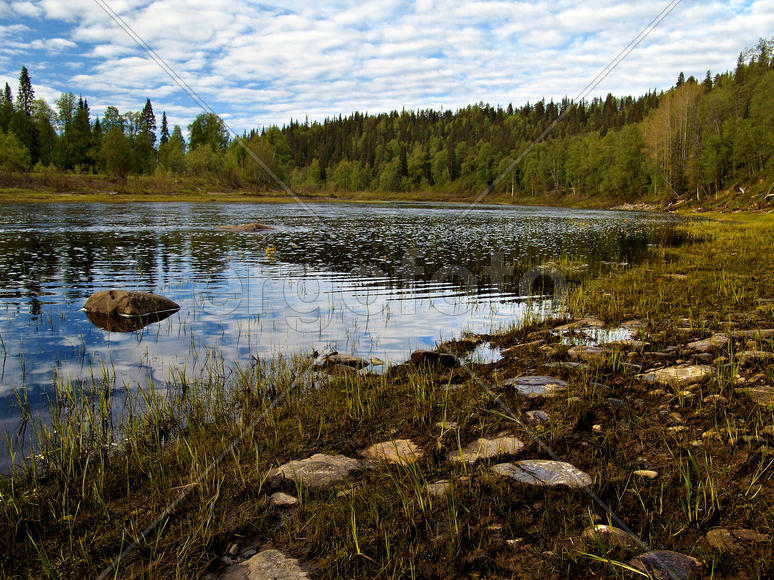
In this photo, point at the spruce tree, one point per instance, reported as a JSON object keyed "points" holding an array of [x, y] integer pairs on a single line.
{"points": [[26, 94], [6, 109], [164, 129], [148, 122]]}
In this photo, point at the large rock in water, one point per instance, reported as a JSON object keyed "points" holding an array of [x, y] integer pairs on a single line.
{"points": [[250, 228], [128, 303]]}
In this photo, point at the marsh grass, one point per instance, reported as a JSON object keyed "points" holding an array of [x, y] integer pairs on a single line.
{"points": [[95, 479]]}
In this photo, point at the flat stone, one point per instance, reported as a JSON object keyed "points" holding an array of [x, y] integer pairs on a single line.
{"points": [[750, 356], [544, 472], [763, 395], [630, 343], [682, 375], [538, 416], [719, 340], [571, 365], [431, 357], [582, 323], [764, 333], [483, 448], [633, 324], [666, 565], [589, 353], [647, 473], [283, 500], [514, 350], [611, 537], [266, 565], [336, 358], [402, 451], [536, 385], [447, 425], [734, 540], [318, 471], [438, 488]]}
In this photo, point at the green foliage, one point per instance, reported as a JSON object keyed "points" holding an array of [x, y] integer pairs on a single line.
{"points": [[208, 129], [116, 153], [13, 155]]}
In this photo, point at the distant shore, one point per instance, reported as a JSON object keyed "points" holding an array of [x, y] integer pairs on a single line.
{"points": [[70, 188]]}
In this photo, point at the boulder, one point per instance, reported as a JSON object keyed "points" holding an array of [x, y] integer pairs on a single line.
{"points": [[536, 385], [544, 472], [318, 471], [432, 358], [667, 565], [128, 303], [483, 448]]}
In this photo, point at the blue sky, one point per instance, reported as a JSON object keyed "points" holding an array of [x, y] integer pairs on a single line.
{"points": [[261, 63]]}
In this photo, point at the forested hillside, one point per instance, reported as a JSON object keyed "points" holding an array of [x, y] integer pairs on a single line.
{"points": [[699, 137]]}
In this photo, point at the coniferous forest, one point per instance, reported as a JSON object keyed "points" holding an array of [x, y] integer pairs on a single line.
{"points": [[699, 137]]}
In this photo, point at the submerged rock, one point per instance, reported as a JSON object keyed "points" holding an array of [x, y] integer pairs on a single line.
{"points": [[125, 323], [483, 448], [536, 385], [318, 471], [251, 227], [268, 564], [544, 472], [129, 303], [666, 565]]}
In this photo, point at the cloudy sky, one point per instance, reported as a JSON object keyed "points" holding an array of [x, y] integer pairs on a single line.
{"points": [[259, 63]]}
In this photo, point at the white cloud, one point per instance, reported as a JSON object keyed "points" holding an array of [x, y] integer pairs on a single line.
{"points": [[26, 9], [263, 63]]}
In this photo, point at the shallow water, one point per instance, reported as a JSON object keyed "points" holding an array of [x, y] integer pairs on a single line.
{"points": [[373, 280]]}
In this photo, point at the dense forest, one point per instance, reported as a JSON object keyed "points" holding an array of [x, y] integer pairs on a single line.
{"points": [[700, 136]]}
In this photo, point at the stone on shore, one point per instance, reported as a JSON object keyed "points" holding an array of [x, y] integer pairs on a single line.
{"points": [[266, 565], [128, 303], [401, 451], [735, 540], [678, 375], [544, 472], [582, 323], [589, 353], [283, 500], [666, 565], [333, 359], [432, 358], [719, 340], [483, 448], [536, 385], [763, 395], [610, 537], [318, 471]]}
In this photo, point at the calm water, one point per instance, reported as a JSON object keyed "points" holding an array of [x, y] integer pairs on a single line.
{"points": [[373, 280]]}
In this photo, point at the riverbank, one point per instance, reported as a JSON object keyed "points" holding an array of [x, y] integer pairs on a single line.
{"points": [[682, 459], [54, 187]]}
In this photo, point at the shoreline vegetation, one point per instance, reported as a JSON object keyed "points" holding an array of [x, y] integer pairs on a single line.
{"points": [[417, 460], [64, 188]]}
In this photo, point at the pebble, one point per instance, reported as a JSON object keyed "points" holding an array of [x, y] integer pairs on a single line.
{"points": [[538, 416], [648, 473], [610, 536], [283, 500], [715, 399], [666, 565]]}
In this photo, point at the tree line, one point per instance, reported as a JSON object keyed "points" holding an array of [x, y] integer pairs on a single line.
{"points": [[698, 136]]}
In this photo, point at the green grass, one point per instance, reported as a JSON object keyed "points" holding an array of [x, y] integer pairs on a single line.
{"points": [[94, 485]]}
